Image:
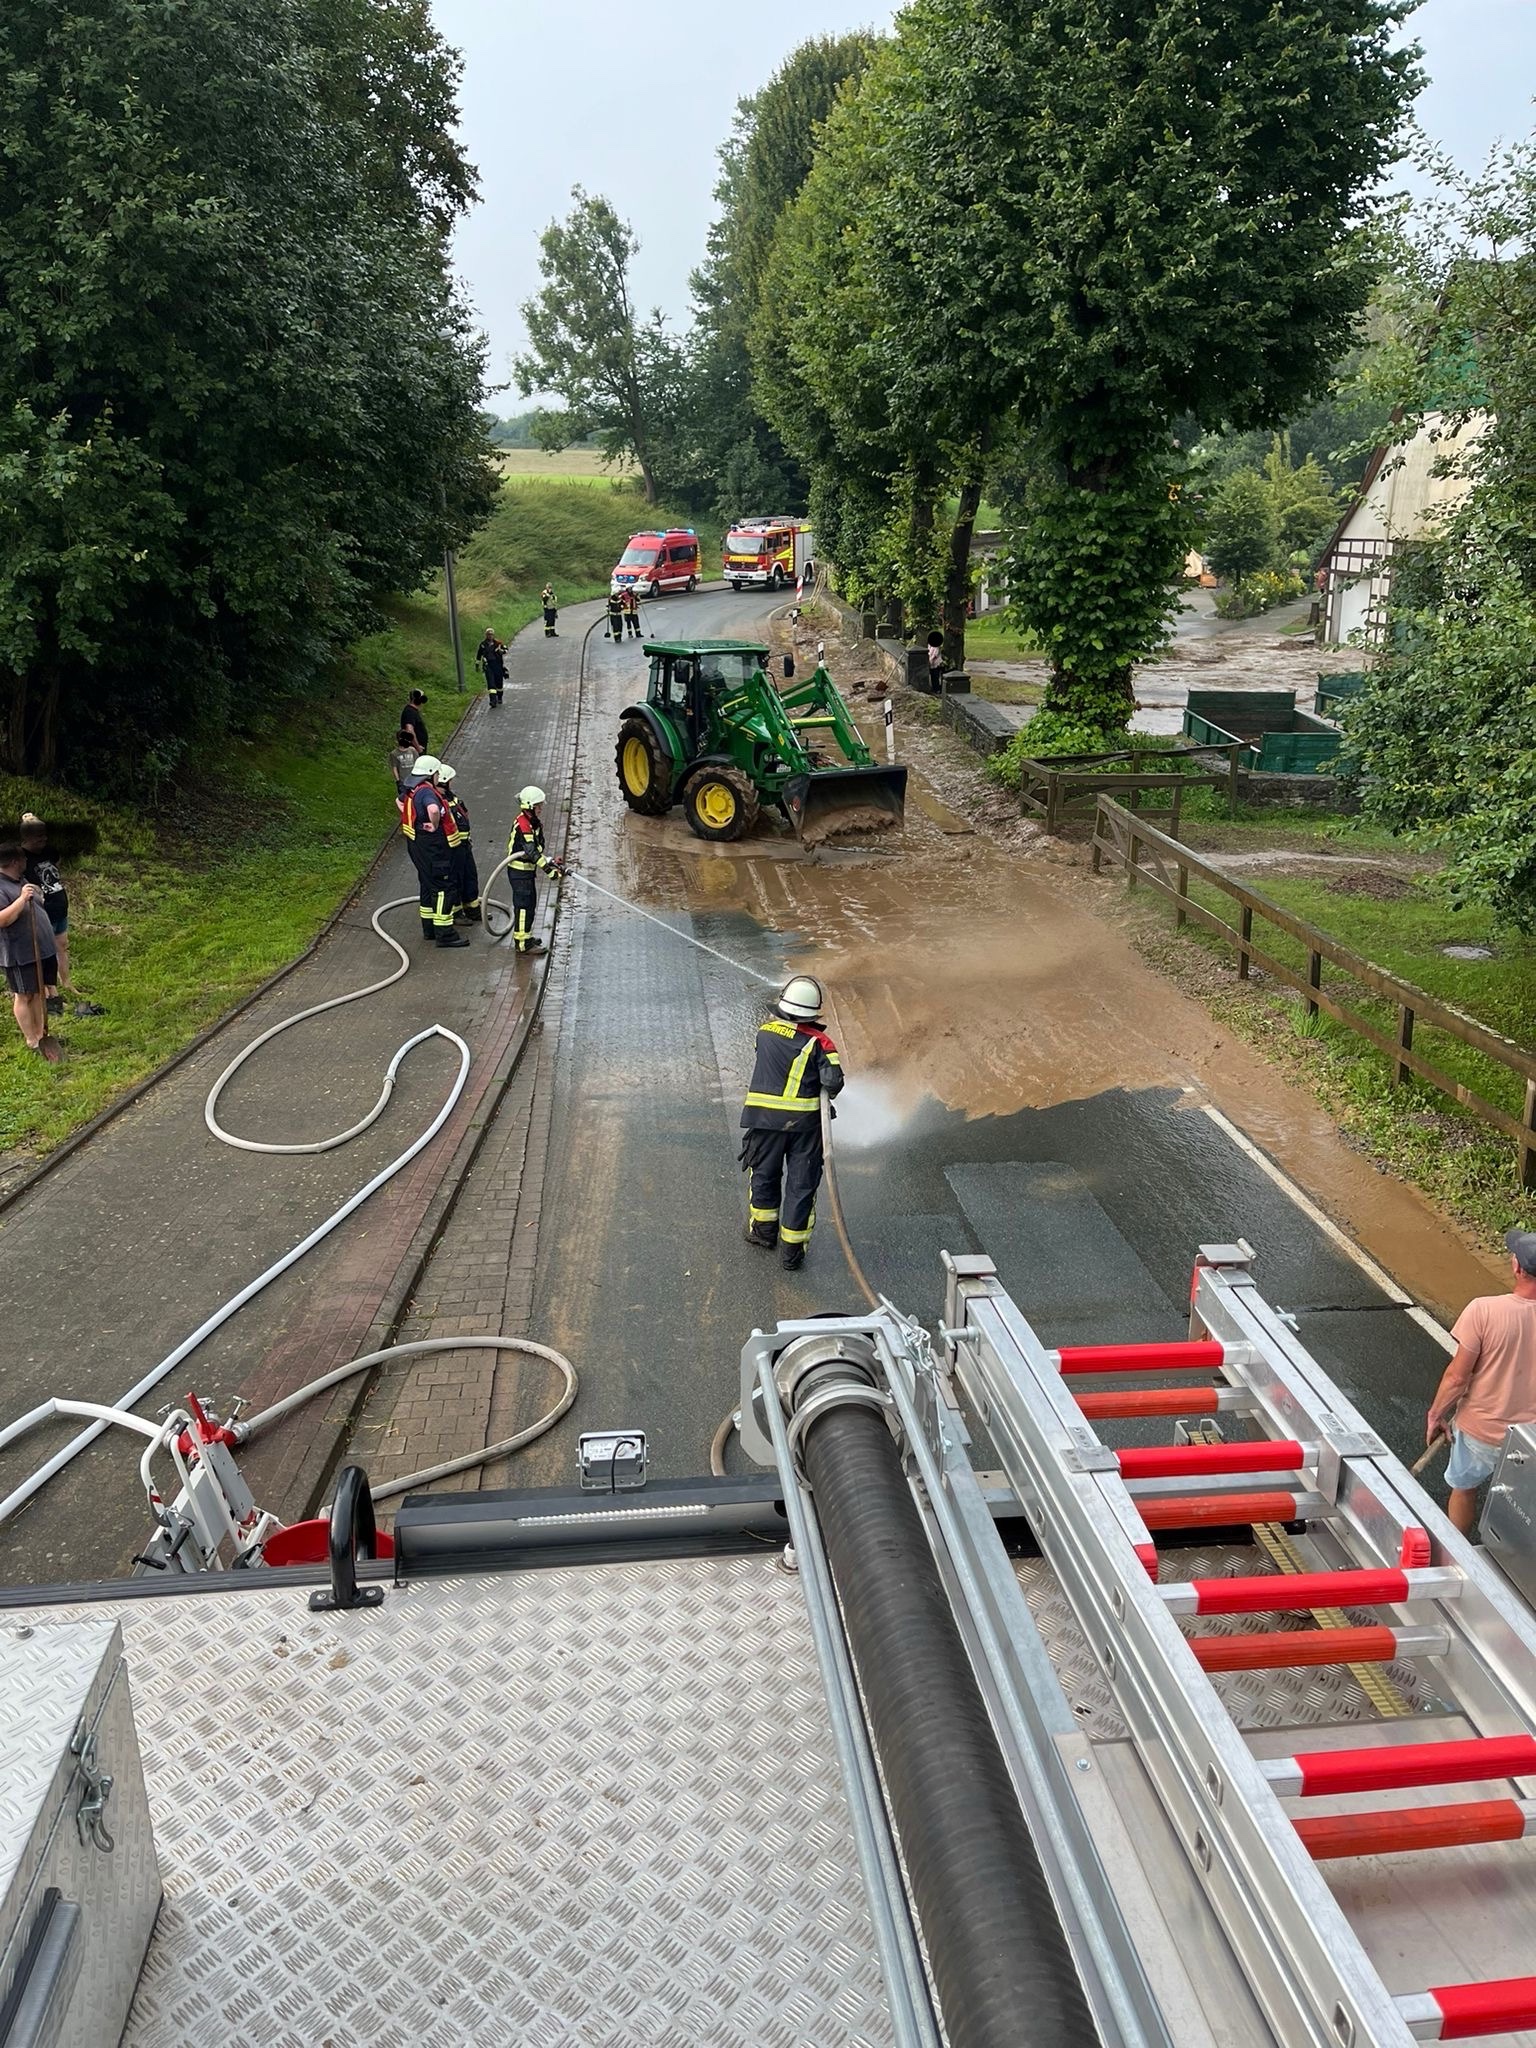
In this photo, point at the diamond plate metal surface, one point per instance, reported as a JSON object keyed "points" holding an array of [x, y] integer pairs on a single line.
{"points": [[593, 1806], [53, 1678], [1254, 1699]]}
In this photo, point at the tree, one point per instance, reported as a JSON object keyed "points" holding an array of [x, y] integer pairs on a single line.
{"points": [[736, 462], [616, 374], [1306, 506], [1095, 217], [1242, 532], [239, 399], [1445, 734]]}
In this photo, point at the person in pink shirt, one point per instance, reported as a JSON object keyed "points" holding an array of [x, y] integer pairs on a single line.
{"points": [[1490, 1383]]}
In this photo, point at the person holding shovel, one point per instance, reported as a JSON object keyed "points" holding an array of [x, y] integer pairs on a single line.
{"points": [[27, 952]]}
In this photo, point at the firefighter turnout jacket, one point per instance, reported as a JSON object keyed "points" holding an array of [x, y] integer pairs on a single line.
{"points": [[796, 1065], [525, 848], [423, 812]]}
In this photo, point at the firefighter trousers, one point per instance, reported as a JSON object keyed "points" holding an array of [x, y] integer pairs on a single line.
{"points": [[434, 872], [525, 899], [466, 877], [786, 1172]]}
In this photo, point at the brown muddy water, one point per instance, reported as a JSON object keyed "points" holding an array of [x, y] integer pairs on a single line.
{"points": [[971, 976]]}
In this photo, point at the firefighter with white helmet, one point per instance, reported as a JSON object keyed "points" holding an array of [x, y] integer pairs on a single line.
{"points": [[796, 1065], [525, 857]]}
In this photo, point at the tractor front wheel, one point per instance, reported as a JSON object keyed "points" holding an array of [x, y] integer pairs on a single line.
{"points": [[719, 803], [644, 771]]}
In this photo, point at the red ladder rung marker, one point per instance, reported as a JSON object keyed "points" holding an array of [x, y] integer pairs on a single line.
{"points": [[1470, 2012], [1139, 1401], [1190, 1356], [1401, 1828], [1296, 1592], [1290, 1648], [1321, 1773], [1216, 1510], [1181, 1461]]}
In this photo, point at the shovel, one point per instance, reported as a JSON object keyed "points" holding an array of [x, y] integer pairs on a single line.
{"points": [[47, 1045]]}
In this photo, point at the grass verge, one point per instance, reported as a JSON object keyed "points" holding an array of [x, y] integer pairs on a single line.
{"points": [[1399, 921], [174, 918]]}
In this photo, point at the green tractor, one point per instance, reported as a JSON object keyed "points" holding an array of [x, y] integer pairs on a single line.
{"points": [[717, 736]]}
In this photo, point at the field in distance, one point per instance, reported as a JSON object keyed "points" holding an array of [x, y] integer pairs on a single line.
{"points": [[571, 465]]}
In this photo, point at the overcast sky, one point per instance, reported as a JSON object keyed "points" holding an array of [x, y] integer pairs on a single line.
{"points": [[598, 93]]}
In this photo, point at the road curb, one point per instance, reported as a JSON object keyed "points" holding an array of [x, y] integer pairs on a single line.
{"points": [[77, 1140]]}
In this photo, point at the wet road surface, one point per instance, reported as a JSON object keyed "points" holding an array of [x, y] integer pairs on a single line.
{"points": [[1021, 1084]]}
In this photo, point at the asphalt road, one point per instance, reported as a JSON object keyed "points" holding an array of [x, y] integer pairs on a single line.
{"points": [[1092, 1205]]}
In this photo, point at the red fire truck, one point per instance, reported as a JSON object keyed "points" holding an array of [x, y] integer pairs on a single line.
{"points": [[766, 553]]}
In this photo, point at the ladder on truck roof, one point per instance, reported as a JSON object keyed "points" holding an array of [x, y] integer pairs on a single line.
{"points": [[1372, 1541]]}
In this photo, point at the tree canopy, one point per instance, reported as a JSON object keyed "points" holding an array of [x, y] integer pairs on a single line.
{"points": [[615, 372], [239, 398], [1066, 225], [1445, 736]]}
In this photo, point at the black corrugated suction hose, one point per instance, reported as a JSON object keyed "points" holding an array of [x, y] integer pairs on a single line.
{"points": [[1000, 1961]]}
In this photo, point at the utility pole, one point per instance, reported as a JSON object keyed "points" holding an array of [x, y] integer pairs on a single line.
{"points": [[453, 617]]}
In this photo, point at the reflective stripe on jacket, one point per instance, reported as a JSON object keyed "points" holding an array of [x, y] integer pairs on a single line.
{"points": [[796, 1065], [456, 814], [525, 849]]}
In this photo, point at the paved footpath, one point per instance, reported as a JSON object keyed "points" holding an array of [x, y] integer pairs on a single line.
{"points": [[111, 1260]]}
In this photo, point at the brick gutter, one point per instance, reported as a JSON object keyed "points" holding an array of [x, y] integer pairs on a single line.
{"points": [[67, 1148]]}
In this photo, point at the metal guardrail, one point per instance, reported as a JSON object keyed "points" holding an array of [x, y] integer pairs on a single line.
{"points": [[1166, 865], [1059, 784]]}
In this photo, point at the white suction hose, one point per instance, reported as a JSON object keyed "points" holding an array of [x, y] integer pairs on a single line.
{"points": [[106, 1416]]}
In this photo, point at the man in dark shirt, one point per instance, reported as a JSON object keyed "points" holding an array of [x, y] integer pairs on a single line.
{"points": [[411, 717], [796, 1065]]}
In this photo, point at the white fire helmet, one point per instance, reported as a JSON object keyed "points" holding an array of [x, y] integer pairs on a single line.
{"points": [[801, 996], [531, 797], [426, 765]]}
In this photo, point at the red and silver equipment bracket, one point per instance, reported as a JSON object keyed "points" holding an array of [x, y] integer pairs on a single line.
{"points": [[1376, 1541]]}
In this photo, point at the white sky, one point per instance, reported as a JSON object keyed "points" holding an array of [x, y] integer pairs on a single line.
{"points": [[586, 92]]}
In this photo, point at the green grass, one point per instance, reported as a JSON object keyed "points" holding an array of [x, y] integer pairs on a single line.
{"points": [[1418, 1132], [168, 933], [992, 638]]}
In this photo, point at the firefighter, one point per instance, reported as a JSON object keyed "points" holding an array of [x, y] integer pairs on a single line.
{"points": [[491, 656], [525, 856], [461, 855], [423, 820], [796, 1065], [615, 629], [551, 611], [631, 603]]}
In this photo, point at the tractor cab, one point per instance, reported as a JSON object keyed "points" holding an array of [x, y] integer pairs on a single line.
{"points": [[716, 735]]}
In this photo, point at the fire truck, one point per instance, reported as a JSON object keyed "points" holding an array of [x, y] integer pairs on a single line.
{"points": [[1115, 1695], [767, 553]]}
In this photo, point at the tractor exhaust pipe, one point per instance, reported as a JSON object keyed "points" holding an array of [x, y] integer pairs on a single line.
{"points": [[999, 1957]]}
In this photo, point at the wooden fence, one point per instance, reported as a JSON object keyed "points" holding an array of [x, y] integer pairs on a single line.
{"points": [[1150, 856], [1062, 783]]}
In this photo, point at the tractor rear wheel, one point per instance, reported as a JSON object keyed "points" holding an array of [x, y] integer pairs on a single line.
{"points": [[719, 803], [644, 771]]}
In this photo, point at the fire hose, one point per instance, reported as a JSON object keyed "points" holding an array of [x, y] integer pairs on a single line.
{"points": [[105, 1416]]}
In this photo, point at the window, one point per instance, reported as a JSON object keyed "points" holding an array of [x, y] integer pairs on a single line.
{"points": [[679, 675], [638, 557]]}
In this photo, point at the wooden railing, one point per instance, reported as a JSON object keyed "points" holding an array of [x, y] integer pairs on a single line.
{"points": [[1150, 856], [1053, 787]]}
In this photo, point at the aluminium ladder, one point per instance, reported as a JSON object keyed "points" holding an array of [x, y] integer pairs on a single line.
{"points": [[1371, 1541]]}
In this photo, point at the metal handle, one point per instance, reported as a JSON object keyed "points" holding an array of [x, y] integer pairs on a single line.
{"points": [[351, 1522], [33, 2014]]}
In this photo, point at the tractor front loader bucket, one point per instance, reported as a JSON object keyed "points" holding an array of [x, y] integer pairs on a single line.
{"points": [[833, 800]]}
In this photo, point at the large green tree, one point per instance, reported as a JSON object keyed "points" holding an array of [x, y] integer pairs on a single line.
{"points": [[238, 395], [615, 372], [1092, 218], [734, 460]]}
